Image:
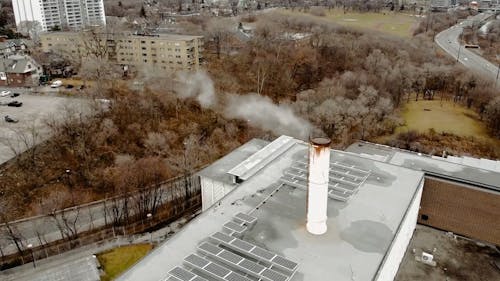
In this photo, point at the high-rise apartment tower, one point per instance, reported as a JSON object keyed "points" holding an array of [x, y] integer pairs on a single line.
{"points": [[60, 14]]}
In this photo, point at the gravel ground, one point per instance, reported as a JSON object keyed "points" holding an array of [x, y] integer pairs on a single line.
{"points": [[456, 258]]}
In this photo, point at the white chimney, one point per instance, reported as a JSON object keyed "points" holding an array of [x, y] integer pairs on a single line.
{"points": [[317, 191]]}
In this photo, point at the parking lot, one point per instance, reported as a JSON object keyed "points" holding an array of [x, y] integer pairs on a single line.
{"points": [[32, 115]]}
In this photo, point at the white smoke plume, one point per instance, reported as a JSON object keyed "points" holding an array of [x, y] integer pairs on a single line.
{"points": [[197, 85], [258, 110], [261, 112]]}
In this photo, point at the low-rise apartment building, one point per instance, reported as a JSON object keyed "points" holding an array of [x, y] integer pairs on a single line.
{"points": [[162, 51]]}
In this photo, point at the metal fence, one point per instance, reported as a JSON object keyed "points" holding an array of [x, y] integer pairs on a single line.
{"points": [[67, 229]]}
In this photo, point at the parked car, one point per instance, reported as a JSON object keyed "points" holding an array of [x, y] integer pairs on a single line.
{"points": [[4, 102], [5, 93], [56, 84], [13, 95], [10, 119], [15, 103]]}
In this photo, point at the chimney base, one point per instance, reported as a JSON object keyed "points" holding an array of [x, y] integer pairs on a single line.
{"points": [[316, 228]]}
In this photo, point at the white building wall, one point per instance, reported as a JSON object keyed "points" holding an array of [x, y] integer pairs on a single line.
{"points": [[95, 12], [27, 10], [395, 255], [50, 13], [74, 13], [212, 191]]}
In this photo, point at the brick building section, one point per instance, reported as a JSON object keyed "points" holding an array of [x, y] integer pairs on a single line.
{"points": [[17, 80], [467, 211]]}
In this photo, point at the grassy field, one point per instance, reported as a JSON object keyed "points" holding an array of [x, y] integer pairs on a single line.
{"points": [[388, 22], [117, 260], [443, 116]]}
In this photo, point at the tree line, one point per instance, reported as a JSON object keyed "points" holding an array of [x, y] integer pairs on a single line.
{"points": [[346, 81]]}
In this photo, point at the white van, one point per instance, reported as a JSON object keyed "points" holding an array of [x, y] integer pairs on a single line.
{"points": [[56, 84]]}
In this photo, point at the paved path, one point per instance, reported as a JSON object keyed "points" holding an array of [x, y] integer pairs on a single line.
{"points": [[448, 41]]}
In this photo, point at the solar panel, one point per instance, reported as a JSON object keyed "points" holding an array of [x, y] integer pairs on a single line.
{"points": [[228, 256], [214, 270], [253, 267], [246, 218], [211, 248], [236, 277], [262, 255], [272, 275], [180, 274], [223, 237], [348, 185], [234, 227], [244, 265], [243, 245], [194, 259], [217, 270], [344, 180], [285, 262]]}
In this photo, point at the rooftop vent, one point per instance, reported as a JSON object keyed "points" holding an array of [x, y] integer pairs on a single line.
{"points": [[260, 159]]}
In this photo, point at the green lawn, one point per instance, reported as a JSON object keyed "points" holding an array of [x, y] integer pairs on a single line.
{"points": [[393, 23], [443, 116], [117, 260]]}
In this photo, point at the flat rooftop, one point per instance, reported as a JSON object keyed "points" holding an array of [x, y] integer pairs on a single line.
{"points": [[166, 36], [430, 165], [360, 231]]}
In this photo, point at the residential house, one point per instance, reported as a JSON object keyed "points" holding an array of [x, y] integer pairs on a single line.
{"points": [[19, 71]]}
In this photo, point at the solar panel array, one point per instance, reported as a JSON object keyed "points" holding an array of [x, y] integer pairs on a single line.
{"points": [[240, 263], [226, 257], [255, 252], [344, 180]]}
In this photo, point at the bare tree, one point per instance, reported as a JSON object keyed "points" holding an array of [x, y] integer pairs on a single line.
{"points": [[31, 29], [218, 32]]}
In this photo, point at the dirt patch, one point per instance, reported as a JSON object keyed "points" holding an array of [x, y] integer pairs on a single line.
{"points": [[456, 258]]}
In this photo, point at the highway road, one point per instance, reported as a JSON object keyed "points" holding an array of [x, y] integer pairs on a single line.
{"points": [[448, 41]]}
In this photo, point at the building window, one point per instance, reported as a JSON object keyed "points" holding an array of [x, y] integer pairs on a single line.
{"points": [[424, 217]]}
